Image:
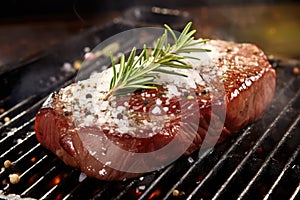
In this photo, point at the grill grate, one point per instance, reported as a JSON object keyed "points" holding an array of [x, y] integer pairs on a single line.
{"points": [[261, 162]]}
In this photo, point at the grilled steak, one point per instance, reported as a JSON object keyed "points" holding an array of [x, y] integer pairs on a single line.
{"points": [[227, 89]]}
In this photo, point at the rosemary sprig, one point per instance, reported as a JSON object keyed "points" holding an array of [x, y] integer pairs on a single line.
{"points": [[140, 71]]}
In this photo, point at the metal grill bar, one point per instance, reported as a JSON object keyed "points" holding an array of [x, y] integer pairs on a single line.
{"points": [[32, 101], [20, 106], [188, 173], [185, 179], [267, 161], [235, 173], [29, 154], [49, 193], [10, 135], [19, 119], [38, 185], [34, 167], [67, 184], [217, 167], [79, 189], [288, 86], [161, 186], [155, 182], [296, 194], [283, 172], [19, 147], [252, 151], [126, 189], [103, 192]]}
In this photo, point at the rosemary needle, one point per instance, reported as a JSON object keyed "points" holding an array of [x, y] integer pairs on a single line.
{"points": [[140, 71]]}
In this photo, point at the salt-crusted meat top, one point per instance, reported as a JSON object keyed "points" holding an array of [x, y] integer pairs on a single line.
{"points": [[219, 72]]}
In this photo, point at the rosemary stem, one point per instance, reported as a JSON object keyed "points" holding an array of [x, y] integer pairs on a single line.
{"points": [[110, 92], [139, 73]]}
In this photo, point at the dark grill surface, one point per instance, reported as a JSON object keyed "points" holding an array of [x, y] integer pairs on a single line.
{"points": [[261, 162]]}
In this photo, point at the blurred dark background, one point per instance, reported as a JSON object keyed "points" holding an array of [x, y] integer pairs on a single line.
{"points": [[16, 8], [30, 26]]}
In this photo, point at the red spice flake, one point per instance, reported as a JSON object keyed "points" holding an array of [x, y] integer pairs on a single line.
{"points": [[155, 194], [33, 159]]}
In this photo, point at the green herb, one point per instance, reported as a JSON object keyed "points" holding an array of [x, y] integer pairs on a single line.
{"points": [[140, 73]]}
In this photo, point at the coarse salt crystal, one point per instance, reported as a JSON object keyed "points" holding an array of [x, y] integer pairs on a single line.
{"points": [[156, 110], [173, 91], [89, 119], [107, 163], [158, 102], [103, 105], [142, 187], [191, 160], [248, 82], [120, 108], [102, 172], [82, 176]]}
